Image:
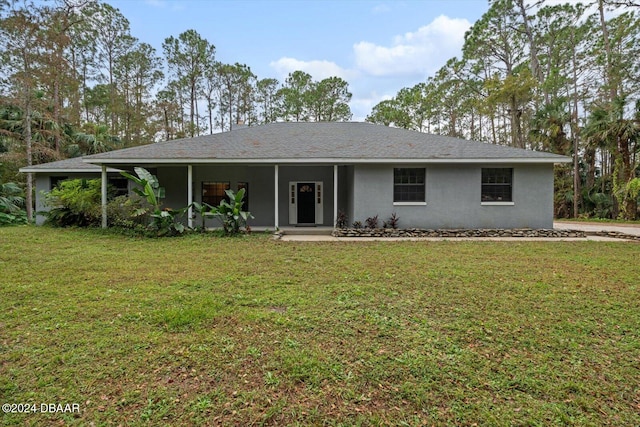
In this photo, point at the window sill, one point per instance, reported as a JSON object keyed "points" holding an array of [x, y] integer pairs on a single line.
{"points": [[497, 203], [409, 203]]}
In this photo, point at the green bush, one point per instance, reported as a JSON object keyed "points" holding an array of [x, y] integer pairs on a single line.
{"points": [[12, 204], [75, 202], [125, 212]]}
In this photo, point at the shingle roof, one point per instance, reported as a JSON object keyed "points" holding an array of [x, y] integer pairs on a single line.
{"points": [[318, 143], [75, 164]]}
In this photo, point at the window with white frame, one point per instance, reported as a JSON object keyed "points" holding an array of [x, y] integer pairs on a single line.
{"points": [[409, 185], [497, 185]]}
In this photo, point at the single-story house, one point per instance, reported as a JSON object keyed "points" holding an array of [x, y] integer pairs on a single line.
{"points": [[303, 174]]}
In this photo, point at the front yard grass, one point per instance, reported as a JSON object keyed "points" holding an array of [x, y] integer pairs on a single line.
{"points": [[249, 331]]}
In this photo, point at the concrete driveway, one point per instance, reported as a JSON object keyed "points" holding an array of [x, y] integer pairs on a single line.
{"points": [[633, 229]]}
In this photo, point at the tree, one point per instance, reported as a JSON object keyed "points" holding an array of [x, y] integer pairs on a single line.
{"points": [[11, 204], [95, 139], [57, 76], [208, 89], [608, 127], [328, 100], [267, 99], [137, 72], [188, 56], [21, 52], [235, 85], [385, 113], [294, 97], [112, 39], [169, 108], [497, 40], [562, 35]]}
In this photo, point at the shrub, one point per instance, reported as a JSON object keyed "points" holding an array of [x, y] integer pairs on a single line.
{"points": [[392, 222], [357, 224], [75, 202], [11, 204], [343, 220], [372, 222], [124, 212]]}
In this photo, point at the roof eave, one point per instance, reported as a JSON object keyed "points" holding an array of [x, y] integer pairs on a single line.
{"points": [[501, 160], [63, 170]]}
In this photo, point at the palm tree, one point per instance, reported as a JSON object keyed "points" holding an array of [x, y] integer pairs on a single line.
{"points": [[608, 128], [548, 127], [96, 140], [11, 204]]}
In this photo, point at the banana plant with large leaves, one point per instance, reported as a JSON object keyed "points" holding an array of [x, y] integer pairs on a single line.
{"points": [[163, 221], [230, 212]]}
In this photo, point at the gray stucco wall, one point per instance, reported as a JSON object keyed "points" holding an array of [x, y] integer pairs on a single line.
{"points": [[453, 197]]}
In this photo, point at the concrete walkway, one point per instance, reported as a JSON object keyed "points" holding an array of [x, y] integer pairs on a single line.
{"points": [[562, 225]]}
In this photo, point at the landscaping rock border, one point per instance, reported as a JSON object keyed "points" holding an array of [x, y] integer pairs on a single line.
{"points": [[615, 235], [453, 233]]}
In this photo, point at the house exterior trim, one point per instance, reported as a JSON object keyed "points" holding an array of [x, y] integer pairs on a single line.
{"points": [[323, 161]]}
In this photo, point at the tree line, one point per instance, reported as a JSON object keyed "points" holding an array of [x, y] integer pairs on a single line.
{"points": [[561, 78], [74, 81]]}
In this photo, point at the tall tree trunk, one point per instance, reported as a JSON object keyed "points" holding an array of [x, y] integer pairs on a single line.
{"points": [[613, 87], [536, 70], [516, 126], [56, 113], [577, 196], [494, 138], [193, 108], [29, 152], [112, 96], [210, 118]]}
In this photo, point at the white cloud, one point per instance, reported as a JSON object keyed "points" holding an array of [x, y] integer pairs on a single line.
{"points": [[362, 104], [414, 53], [379, 71], [318, 69]]}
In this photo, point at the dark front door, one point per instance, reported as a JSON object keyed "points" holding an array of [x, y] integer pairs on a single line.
{"points": [[306, 203]]}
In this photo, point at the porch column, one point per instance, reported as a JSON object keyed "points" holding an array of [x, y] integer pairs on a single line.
{"points": [[190, 195], [275, 175], [103, 179], [335, 195]]}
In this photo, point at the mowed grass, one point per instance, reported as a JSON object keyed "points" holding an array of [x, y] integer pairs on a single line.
{"points": [[202, 330]]}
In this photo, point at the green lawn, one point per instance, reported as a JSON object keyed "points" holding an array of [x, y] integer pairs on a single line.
{"points": [[251, 331]]}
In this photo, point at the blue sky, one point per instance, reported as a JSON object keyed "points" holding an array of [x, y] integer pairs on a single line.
{"points": [[378, 47]]}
